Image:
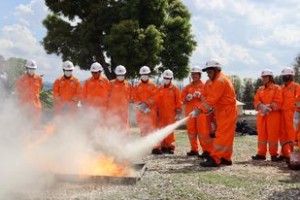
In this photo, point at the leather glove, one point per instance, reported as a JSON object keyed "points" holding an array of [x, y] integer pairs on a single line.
{"points": [[296, 120], [195, 113], [178, 114], [189, 97], [143, 108], [197, 94]]}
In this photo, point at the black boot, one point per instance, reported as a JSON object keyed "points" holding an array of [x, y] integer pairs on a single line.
{"points": [[164, 150], [204, 155], [226, 162], [170, 151], [209, 163], [275, 159], [258, 157], [156, 152], [192, 153], [282, 158]]}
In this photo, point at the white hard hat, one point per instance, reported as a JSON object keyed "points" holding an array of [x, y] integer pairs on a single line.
{"points": [[31, 64], [120, 70], [196, 69], [145, 70], [168, 74], [68, 65], [288, 71], [212, 64], [267, 72], [96, 67]]}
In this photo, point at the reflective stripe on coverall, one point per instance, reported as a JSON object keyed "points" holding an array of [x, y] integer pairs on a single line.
{"points": [[66, 94], [146, 93], [297, 107], [169, 102], [268, 126], [120, 95], [287, 132], [28, 90], [221, 97], [95, 92], [196, 127]]}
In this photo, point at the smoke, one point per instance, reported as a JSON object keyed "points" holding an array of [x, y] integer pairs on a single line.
{"points": [[136, 149], [30, 154]]}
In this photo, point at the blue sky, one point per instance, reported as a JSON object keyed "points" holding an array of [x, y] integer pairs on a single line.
{"points": [[246, 36]]}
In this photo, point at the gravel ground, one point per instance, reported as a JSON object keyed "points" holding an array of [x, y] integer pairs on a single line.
{"points": [[180, 177]]}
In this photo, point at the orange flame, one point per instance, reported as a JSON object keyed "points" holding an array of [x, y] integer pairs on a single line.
{"points": [[104, 166]]}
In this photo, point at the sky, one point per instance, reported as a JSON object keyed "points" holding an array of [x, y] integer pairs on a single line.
{"points": [[245, 36]]}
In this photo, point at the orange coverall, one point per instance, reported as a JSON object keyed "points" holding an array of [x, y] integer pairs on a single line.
{"points": [[196, 127], [221, 97], [268, 125], [146, 93], [287, 132], [66, 94], [297, 108], [169, 103], [28, 89], [120, 95], [95, 92]]}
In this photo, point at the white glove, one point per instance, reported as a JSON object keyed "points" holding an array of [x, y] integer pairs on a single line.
{"points": [[195, 113], [296, 120], [197, 94], [264, 109], [189, 97], [143, 108]]}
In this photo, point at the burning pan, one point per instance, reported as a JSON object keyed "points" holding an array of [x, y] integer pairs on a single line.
{"points": [[99, 180]]}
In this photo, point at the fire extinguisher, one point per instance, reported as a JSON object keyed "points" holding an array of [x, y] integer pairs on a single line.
{"points": [[212, 124], [294, 153]]}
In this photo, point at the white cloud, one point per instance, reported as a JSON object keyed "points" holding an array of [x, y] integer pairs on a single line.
{"points": [[271, 59], [24, 9], [247, 35], [20, 40]]}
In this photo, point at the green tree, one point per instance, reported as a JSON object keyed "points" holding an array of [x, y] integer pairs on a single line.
{"points": [[128, 32], [248, 94], [278, 80], [14, 67], [257, 83], [237, 83], [297, 68]]}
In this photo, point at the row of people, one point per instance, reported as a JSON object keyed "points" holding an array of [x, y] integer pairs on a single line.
{"points": [[278, 116], [208, 104]]}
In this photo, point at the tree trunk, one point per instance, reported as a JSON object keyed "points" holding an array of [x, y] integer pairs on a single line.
{"points": [[105, 66]]}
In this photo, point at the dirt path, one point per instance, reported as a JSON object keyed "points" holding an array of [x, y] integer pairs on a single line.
{"points": [[180, 177]]}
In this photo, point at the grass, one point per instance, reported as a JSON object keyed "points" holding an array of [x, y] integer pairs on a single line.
{"points": [[180, 177]]}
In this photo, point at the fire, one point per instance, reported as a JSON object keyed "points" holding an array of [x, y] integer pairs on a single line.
{"points": [[85, 165], [104, 166]]}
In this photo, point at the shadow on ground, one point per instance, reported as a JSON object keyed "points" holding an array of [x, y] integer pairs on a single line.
{"points": [[292, 193]]}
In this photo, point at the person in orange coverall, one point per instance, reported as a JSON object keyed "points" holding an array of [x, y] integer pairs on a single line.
{"points": [[120, 95], [287, 131], [221, 100], [169, 109], [196, 127], [95, 89], [28, 88], [145, 97], [296, 118], [268, 102], [67, 91]]}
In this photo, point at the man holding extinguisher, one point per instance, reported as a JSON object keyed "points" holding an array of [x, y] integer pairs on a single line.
{"points": [[220, 100]]}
